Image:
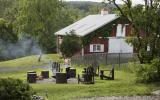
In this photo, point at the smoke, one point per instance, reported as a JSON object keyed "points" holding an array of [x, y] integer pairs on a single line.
{"points": [[23, 47]]}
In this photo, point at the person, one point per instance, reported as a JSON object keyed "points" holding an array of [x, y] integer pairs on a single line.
{"points": [[67, 62], [39, 58]]}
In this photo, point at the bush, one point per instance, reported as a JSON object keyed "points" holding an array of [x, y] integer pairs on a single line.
{"points": [[149, 72], [14, 89]]}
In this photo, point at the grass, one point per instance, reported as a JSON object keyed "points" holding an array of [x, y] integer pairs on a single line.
{"points": [[123, 85], [30, 61]]}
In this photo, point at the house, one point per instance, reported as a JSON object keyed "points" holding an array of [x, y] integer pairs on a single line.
{"points": [[109, 30]]}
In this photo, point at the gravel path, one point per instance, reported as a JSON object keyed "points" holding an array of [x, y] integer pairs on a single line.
{"points": [[123, 98], [53, 81]]}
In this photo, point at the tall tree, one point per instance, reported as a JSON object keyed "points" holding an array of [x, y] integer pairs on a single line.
{"points": [[5, 5], [6, 32], [40, 19], [7, 36], [145, 26]]}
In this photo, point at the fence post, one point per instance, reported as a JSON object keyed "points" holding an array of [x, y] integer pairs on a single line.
{"points": [[119, 58], [106, 58]]}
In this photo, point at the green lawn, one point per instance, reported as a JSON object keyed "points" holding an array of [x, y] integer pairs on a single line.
{"points": [[30, 61], [123, 85]]}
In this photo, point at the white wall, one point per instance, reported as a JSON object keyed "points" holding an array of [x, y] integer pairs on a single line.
{"points": [[119, 45], [121, 30]]}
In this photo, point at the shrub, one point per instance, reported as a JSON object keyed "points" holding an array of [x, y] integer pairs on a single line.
{"points": [[15, 89], [149, 72]]}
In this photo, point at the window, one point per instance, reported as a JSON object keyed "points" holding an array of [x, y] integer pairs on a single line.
{"points": [[97, 48], [121, 30]]}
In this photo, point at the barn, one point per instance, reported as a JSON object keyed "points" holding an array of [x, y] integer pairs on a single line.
{"points": [[108, 32]]}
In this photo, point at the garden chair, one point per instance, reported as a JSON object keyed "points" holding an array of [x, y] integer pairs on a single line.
{"points": [[71, 72], [109, 77], [87, 76], [55, 68]]}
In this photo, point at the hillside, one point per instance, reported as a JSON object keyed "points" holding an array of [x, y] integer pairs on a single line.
{"points": [[85, 5]]}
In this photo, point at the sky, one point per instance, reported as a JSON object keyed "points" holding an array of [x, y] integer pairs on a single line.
{"points": [[118, 1]]}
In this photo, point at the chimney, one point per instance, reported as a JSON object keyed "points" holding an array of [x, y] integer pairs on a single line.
{"points": [[104, 11]]}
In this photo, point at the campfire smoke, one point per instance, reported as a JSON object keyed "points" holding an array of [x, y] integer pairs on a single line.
{"points": [[23, 47]]}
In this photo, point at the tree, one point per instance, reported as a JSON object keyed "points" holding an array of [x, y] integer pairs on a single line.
{"points": [[71, 44], [6, 31], [5, 5], [7, 36], [40, 19], [145, 27]]}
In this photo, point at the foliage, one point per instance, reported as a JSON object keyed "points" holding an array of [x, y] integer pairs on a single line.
{"points": [[74, 13], [14, 89], [71, 44], [42, 18], [7, 36], [89, 7], [39, 19], [145, 26], [5, 6], [6, 31], [149, 72]]}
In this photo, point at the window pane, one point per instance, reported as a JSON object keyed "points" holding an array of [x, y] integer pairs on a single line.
{"points": [[98, 47], [94, 47]]}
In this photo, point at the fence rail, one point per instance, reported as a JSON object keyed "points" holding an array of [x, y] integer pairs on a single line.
{"points": [[105, 58]]}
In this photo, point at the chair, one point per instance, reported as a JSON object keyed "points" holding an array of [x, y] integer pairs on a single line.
{"points": [[71, 72], [87, 76], [55, 68], [109, 77]]}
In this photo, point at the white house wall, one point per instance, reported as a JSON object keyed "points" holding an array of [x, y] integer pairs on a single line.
{"points": [[119, 45]]}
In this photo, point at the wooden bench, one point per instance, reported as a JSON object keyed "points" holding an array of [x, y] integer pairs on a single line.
{"points": [[87, 76], [109, 77]]}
